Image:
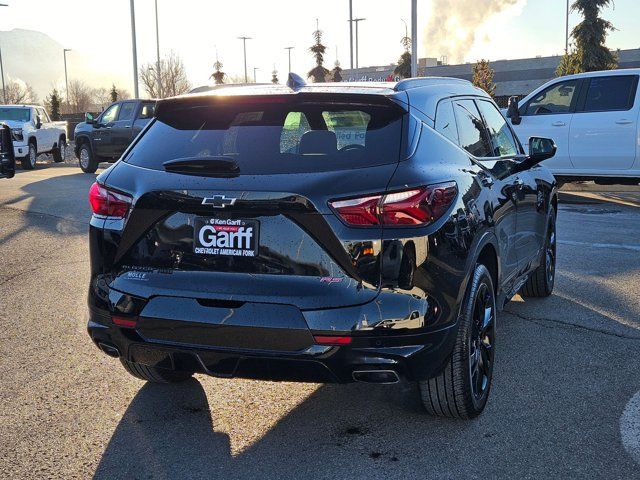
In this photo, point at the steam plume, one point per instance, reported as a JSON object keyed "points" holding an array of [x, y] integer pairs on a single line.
{"points": [[453, 25]]}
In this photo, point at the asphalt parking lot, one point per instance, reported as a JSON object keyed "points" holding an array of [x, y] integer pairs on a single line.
{"points": [[565, 401]]}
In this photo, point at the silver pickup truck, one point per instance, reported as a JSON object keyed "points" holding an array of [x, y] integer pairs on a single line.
{"points": [[34, 133]]}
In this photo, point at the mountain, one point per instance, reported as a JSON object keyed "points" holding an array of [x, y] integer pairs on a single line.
{"points": [[37, 59]]}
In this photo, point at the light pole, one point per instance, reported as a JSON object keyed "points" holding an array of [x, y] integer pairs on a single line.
{"points": [[357, 20], [255, 69], [414, 38], [566, 36], [4, 91], [135, 53], [289, 48], [66, 79], [158, 54], [244, 43], [351, 32]]}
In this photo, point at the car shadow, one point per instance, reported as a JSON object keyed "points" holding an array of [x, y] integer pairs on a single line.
{"points": [[55, 204], [554, 411]]}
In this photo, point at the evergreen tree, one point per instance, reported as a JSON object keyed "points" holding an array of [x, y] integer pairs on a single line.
{"points": [[483, 76], [113, 93], [218, 74], [336, 73], [590, 53], [53, 105], [403, 69], [318, 73]]}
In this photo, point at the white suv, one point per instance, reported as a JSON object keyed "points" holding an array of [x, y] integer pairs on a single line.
{"points": [[593, 118]]}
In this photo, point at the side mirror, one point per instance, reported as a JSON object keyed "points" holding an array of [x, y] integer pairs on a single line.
{"points": [[89, 119], [513, 112], [541, 149], [38, 122], [7, 156]]}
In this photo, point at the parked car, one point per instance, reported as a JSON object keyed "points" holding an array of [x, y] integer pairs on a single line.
{"points": [[34, 133], [7, 157], [328, 232], [593, 119], [105, 138]]}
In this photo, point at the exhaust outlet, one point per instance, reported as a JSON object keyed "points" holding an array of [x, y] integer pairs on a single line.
{"points": [[110, 350], [376, 376]]}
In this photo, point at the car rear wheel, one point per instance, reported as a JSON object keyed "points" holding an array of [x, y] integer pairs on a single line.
{"points": [[154, 374], [29, 162], [60, 152], [542, 280], [461, 390], [88, 163]]}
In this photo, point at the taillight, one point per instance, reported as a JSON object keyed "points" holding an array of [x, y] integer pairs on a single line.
{"points": [[332, 340], [107, 202], [417, 206]]}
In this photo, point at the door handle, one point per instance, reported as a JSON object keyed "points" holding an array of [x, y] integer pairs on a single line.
{"points": [[624, 121], [559, 123]]}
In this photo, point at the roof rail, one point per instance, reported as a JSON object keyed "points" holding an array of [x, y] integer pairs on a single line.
{"points": [[417, 82]]}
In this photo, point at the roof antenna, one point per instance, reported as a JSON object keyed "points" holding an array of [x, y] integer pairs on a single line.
{"points": [[295, 82]]}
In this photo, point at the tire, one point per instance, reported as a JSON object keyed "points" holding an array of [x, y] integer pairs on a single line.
{"points": [[154, 374], [60, 152], [88, 162], [29, 162], [462, 389], [542, 280]]}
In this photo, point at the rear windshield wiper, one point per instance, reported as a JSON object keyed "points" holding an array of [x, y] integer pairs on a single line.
{"points": [[204, 166]]}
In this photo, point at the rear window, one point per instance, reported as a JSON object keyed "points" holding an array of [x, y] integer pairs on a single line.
{"points": [[610, 93], [273, 136]]}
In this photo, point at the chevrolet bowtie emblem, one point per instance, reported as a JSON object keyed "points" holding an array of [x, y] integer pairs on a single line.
{"points": [[218, 201]]}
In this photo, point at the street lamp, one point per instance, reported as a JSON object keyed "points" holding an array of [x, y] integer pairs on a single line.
{"points": [[356, 21], [566, 36], [135, 53], [351, 32], [4, 91], [158, 54], [289, 48], [66, 79], [244, 43], [414, 38]]}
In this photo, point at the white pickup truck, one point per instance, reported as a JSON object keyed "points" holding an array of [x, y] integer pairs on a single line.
{"points": [[34, 133], [593, 118]]}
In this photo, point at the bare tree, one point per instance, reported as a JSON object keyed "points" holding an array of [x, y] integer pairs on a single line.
{"points": [[80, 96], [101, 97], [20, 93], [173, 77]]}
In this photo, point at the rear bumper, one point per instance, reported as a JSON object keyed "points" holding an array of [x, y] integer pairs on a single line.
{"points": [[413, 357]]}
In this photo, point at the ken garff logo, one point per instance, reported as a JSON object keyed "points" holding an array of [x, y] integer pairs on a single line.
{"points": [[218, 201]]}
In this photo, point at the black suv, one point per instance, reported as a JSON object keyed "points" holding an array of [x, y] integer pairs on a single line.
{"points": [[323, 233], [105, 138]]}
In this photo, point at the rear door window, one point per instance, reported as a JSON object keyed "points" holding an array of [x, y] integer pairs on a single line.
{"points": [[473, 135], [126, 112], [274, 135], [446, 122], [613, 93]]}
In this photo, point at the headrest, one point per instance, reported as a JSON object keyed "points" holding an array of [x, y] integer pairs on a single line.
{"points": [[319, 141]]}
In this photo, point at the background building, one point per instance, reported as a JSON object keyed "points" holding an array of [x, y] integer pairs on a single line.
{"points": [[512, 77]]}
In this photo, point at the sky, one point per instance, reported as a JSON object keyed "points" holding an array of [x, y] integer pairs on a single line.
{"points": [[99, 32]]}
